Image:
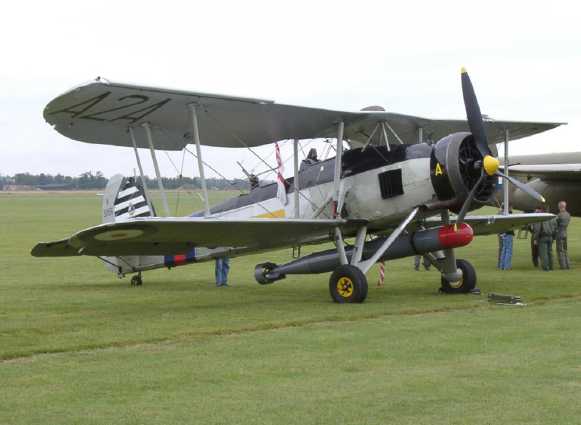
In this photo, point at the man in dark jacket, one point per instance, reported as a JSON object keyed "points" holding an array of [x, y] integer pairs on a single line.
{"points": [[563, 219], [534, 240], [545, 232]]}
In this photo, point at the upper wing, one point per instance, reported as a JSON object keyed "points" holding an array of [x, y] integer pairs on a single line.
{"points": [[101, 112], [548, 171], [494, 224], [164, 236]]}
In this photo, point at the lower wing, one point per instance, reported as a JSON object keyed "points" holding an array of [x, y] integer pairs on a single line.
{"points": [[164, 236], [494, 224]]}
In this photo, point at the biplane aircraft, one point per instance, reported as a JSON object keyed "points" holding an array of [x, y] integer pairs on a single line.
{"points": [[391, 191]]}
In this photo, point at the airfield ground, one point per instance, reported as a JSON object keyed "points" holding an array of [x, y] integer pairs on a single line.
{"points": [[79, 346]]}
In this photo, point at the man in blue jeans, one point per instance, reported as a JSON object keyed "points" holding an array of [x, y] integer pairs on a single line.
{"points": [[505, 262], [222, 269], [505, 247]]}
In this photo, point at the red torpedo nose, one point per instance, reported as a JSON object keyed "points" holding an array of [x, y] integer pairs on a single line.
{"points": [[453, 236]]}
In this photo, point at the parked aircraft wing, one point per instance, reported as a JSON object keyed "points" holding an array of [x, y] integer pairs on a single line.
{"points": [[494, 224], [101, 112], [548, 171], [165, 236]]}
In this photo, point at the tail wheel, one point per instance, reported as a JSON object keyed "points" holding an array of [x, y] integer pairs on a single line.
{"points": [[466, 284], [136, 280], [348, 284]]}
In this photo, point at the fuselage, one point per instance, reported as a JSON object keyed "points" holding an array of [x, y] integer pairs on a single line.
{"points": [[377, 185]]}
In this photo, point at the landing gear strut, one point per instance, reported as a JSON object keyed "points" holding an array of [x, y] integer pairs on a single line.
{"points": [[136, 280], [466, 284]]}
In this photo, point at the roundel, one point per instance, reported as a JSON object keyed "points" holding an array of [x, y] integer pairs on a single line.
{"points": [[115, 235]]}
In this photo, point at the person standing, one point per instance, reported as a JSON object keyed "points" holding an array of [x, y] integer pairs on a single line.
{"points": [[221, 271], [534, 231], [253, 180], [421, 259], [500, 243], [506, 250], [563, 219], [547, 231], [499, 255]]}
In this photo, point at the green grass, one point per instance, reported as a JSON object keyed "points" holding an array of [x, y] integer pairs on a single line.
{"points": [[77, 345]]}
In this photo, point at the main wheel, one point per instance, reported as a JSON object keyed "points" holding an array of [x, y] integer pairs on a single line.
{"points": [[466, 284], [136, 280], [348, 284]]}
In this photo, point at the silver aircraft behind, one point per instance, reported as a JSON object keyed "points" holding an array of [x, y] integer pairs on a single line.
{"points": [[556, 176], [393, 198]]}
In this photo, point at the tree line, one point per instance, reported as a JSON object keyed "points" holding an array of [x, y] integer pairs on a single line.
{"points": [[89, 180]]}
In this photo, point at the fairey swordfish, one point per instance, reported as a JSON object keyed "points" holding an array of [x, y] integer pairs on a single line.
{"points": [[391, 191]]}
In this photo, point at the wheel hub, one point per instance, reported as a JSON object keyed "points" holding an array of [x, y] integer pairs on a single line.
{"points": [[345, 287], [457, 284]]}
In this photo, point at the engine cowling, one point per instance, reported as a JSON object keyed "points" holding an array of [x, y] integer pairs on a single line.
{"points": [[455, 169]]}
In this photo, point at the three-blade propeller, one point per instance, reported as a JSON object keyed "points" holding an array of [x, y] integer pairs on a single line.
{"points": [[490, 164]]}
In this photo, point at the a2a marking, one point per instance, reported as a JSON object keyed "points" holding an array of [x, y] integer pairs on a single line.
{"points": [[82, 109]]}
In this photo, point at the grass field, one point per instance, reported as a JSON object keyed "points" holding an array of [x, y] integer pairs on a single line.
{"points": [[79, 346]]}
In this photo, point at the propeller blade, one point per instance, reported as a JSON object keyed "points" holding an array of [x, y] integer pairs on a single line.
{"points": [[468, 201], [474, 115], [528, 190]]}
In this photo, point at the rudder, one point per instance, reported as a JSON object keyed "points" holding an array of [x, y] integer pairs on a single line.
{"points": [[124, 199]]}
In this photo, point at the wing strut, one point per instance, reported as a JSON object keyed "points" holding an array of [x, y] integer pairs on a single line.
{"points": [[196, 135], [296, 179], [156, 167], [145, 189], [338, 166], [505, 182], [383, 125], [394, 133], [420, 134]]}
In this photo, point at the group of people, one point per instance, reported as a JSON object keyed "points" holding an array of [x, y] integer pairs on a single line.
{"points": [[543, 235]]}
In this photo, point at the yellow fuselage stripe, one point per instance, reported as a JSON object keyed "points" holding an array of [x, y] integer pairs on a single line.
{"points": [[275, 214]]}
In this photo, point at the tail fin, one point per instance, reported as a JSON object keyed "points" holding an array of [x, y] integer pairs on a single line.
{"points": [[125, 198]]}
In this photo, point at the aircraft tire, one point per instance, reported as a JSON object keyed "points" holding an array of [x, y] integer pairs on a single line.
{"points": [[136, 280], [468, 282], [348, 284]]}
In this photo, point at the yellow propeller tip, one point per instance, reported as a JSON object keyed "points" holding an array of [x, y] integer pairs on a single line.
{"points": [[463, 70]]}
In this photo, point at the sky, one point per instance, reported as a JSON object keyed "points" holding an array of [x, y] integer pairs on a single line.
{"points": [[524, 59]]}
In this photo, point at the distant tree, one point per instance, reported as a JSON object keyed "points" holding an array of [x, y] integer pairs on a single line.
{"points": [[96, 181]]}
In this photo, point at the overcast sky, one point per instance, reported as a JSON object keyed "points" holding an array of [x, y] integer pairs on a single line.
{"points": [[524, 59]]}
